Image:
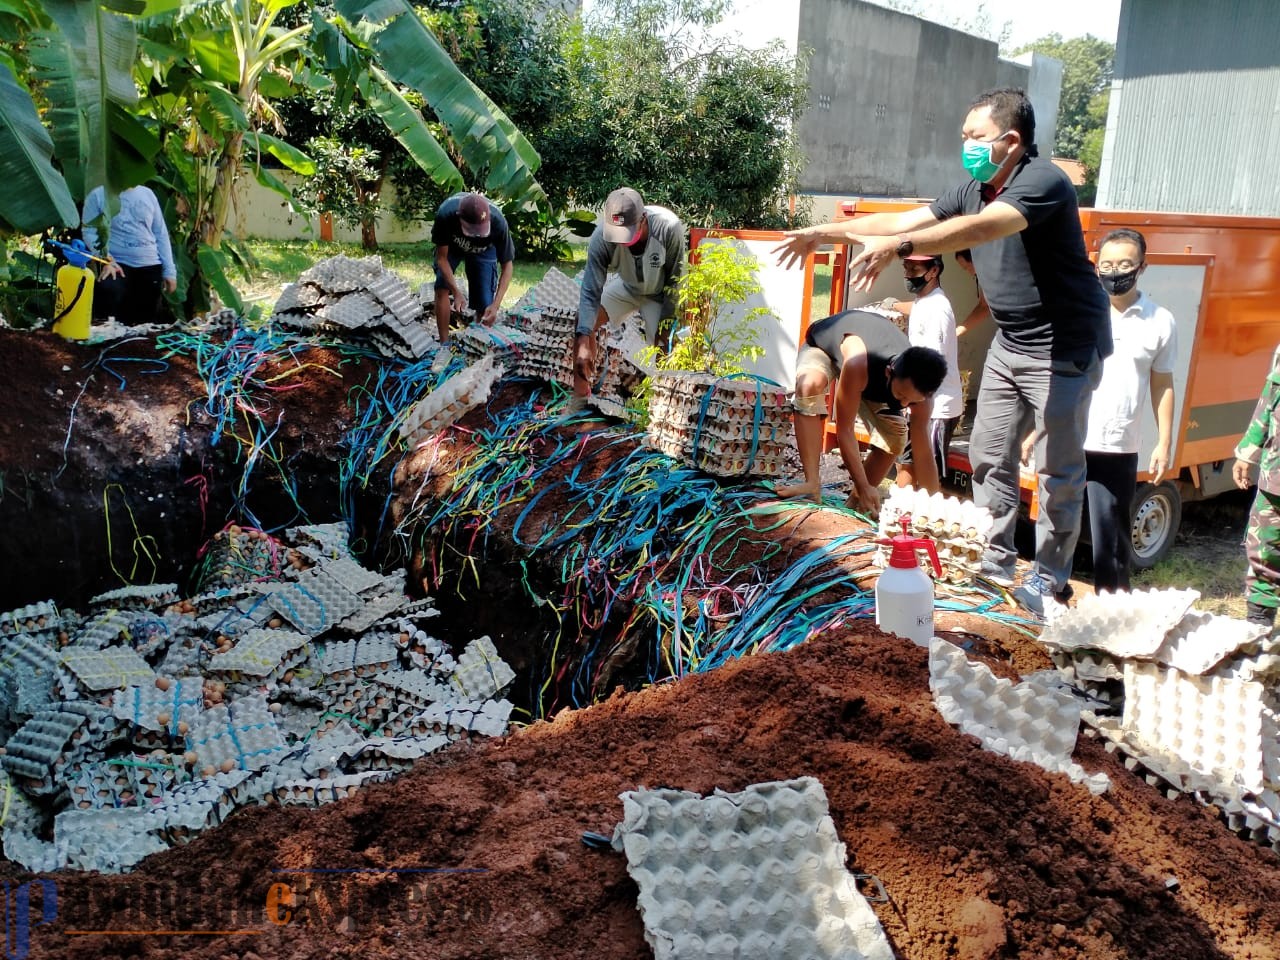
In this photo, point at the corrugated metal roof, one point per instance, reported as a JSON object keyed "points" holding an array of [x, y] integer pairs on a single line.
{"points": [[1194, 121]]}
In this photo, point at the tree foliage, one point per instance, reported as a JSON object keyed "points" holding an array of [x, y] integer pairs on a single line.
{"points": [[1087, 64]]}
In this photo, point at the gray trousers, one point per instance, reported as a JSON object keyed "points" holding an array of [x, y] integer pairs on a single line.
{"points": [[1052, 396]]}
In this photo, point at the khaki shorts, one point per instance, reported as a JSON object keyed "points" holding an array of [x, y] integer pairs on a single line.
{"points": [[887, 430], [621, 301]]}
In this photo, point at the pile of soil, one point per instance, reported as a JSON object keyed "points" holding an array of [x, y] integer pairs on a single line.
{"points": [[477, 852], [980, 856]]}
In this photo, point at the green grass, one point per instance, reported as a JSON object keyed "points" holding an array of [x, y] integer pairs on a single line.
{"points": [[281, 261], [1207, 555]]}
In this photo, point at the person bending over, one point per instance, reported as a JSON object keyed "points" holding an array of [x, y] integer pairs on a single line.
{"points": [[878, 374]]}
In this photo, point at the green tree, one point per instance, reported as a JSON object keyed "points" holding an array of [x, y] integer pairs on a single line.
{"points": [[696, 123], [1087, 65]]}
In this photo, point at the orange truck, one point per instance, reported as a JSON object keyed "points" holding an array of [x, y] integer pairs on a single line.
{"points": [[1220, 277]]}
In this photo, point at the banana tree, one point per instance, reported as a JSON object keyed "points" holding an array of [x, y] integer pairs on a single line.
{"points": [[65, 92]]}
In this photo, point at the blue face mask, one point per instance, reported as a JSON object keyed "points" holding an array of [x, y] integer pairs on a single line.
{"points": [[977, 159]]}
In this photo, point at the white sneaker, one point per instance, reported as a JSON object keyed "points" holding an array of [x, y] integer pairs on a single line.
{"points": [[443, 356]]}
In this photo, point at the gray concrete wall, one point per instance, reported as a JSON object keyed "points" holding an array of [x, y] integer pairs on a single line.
{"points": [[888, 94], [1192, 120]]}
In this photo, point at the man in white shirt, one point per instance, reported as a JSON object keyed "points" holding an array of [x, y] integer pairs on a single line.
{"points": [[931, 322], [1146, 348]]}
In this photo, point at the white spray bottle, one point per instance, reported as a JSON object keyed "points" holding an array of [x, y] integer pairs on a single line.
{"points": [[904, 592]]}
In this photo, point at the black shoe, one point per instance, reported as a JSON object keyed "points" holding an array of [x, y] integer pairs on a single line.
{"points": [[1257, 613]]}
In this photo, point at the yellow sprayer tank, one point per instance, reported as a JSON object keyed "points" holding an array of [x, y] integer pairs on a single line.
{"points": [[73, 303]]}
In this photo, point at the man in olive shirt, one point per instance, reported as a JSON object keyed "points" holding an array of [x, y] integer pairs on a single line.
{"points": [[1018, 214]]}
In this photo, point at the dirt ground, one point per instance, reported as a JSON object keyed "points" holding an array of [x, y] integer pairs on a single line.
{"points": [[477, 853], [981, 856]]}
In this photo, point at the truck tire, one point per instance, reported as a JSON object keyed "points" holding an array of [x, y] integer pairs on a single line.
{"points": [[1157, 514]]}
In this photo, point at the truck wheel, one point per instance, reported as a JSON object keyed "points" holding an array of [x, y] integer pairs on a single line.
{"points": [[1157, 514]]}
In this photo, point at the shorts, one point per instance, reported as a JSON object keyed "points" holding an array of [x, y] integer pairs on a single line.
{"points": [[940, 434], [887, 429], [620, 301]]}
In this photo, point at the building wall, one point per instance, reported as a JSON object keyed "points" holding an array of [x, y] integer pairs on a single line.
{"points": [[888, 94], [1192, 125]]}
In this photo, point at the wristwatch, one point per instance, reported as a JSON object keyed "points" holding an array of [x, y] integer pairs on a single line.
{"points": [[905, 247]]}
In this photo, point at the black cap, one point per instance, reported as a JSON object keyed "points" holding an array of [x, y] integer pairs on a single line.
{"points": [[473, 214], [623, 212]]}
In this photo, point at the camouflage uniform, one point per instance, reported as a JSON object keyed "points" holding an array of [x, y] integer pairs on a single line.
{"points": [[1261, 445]]}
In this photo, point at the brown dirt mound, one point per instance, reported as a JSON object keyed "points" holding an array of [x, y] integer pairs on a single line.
{"points": [[981, 856]]}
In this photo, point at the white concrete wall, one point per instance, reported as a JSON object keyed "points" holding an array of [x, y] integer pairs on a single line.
{"points": [[259, 212]]}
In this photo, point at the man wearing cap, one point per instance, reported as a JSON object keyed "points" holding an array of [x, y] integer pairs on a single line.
{"points": [[931, 322], [470, 230], [644, 247]]}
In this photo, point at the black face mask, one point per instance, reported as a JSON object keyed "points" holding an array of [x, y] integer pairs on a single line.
{"points": [[916, 284], [1118, 284]]}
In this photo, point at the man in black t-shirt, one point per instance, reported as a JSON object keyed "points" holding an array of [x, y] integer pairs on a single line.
{"points": [[880, 375], [1017, 213], [470, 230]]}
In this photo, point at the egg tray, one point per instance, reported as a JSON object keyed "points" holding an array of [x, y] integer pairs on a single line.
{"points": [[261, 656], [1222, 727], [1026, 721], [33, 618], [151, 597], [1123, 624], [110, 668], [759, 873], [242, 733], [461, 719], [481, 673]]}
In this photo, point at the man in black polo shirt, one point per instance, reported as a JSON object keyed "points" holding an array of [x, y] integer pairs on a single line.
{"points": [[879, 375], [1018, 215]]}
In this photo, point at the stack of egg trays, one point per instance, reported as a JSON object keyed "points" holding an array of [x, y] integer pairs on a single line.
{"points": [[142, 706], [675, 400], [481, 673], [261, 656], [462, 718], [959, 528], [109, 668], [35, 619], [55, 739], [236, 558], [151, 597], [243, 731], [507, 344]]}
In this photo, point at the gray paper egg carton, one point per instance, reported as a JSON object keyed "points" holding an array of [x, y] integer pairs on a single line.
{"points": [[755, 875], [297, 298], [102, 630], [150, 633], [397, 297], [1201, 642], [313, 793], [342, 274], [314, 603], [355, 577], [556, 290], [1026, 721], [1222, 727], [108, 841], [481, 672], [1122, 624], [375, 609], [261, 655], [415, 687], [141, 706], [507, 344], [45, 745], [243, 731], [147, 597], [33, 618], [108, 784], [32, 672], [389, 753], [451, 399], [369, 655], [333, 538], [462, 718], [959, 528], [110, 668]]}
